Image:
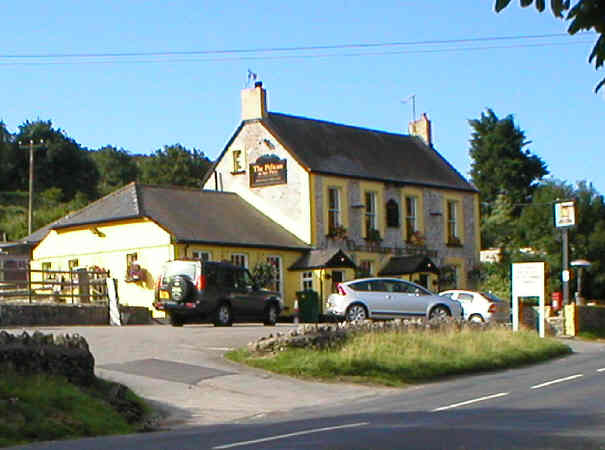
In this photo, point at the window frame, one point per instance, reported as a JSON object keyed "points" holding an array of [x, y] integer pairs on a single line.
{"points": [[334, 211], [199, 254], [371, 211], [235, 259], [306, 280], [452, 232], [411, 215]]}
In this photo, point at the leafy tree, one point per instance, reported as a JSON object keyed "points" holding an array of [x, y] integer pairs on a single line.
{"points": [[60, 163], [8, 159], [583, 15], [500, 165], [498, 227], [174, 165], [116, 168]]}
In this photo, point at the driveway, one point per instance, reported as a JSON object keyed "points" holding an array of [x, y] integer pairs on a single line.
{"points": [[182, 372]]}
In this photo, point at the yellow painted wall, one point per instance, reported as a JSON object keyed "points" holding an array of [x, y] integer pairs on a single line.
{"points": [[458, 262], [108, 249]]}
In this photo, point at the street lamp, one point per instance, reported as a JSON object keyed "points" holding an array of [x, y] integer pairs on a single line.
{"points": [[580, 264]]}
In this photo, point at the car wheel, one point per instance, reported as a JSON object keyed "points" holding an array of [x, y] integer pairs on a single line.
{"points": [[356, 312], [224, 317], [440, 312], [271, 314], [176, 320], [476, 318], [180, 288]]}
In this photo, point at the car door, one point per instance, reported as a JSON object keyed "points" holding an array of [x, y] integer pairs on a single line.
{"points": [[253, 298], [407, 299], [469, 307]]}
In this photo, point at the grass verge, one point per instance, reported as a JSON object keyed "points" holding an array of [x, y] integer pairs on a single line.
{"points": [[400, 358], [42, 407]]}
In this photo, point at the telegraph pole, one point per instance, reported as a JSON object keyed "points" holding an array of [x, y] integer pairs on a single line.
{"points": [[31, 147]]}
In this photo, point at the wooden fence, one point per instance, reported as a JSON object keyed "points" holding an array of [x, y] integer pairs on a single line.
{"points": [[20, 283]]}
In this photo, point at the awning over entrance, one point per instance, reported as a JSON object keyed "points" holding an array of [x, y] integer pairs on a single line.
{"points": [[404, 265], [326, 258]]}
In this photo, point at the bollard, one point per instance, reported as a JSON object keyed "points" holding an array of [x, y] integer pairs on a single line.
{"points": [[296, 312]]}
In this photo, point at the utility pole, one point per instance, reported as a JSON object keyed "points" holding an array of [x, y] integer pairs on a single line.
{"points": [[31, 147]]}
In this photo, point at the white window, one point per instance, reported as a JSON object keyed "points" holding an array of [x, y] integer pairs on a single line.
{"points": [[338, 276], [452, 222], [370, 223], [410, 216], [334, 209], [240, 259], [307, 281], [202, 256]]}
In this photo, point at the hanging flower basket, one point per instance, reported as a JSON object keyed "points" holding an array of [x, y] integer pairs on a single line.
{"points": [[135, 273]]}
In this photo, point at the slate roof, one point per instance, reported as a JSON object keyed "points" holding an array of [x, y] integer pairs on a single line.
{"points": [[190, 215], [403, 265], [325, 258], [342, 150]]}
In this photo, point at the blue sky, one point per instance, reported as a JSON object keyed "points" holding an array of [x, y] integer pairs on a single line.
{"points": [[143, 102]]}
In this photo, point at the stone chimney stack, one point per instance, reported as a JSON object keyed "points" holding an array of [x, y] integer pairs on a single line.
{"points": [[422, 129], [254, 102]]}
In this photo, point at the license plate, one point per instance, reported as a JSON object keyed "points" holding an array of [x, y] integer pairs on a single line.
{"points": [[164, 295]]}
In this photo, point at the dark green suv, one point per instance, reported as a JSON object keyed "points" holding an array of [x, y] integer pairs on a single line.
{"points": [[190, 290]]}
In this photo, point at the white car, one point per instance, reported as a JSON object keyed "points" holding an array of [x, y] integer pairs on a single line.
{"points": [[480, 306], [388, 298]]}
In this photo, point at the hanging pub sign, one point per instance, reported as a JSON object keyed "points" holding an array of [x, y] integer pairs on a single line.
{"points": [[268, 170], [565, 214]]}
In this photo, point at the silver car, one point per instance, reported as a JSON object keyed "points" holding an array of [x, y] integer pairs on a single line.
{"points": [[388, 298]]}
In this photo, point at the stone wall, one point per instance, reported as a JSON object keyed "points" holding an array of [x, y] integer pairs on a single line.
{"points": [[330, 335], [52, 314], [64, 355], [590, 317]]}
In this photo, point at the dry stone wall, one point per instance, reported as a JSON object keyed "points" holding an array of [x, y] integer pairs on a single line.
{"points": [[65, 355]]}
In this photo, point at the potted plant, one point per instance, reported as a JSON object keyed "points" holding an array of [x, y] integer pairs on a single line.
{"points": [[454, 241], [134, 272], [337, 232], [416, 238], [373, 236]]}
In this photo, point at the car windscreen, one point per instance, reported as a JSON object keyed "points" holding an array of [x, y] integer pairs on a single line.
{"points": [[186, 268]]}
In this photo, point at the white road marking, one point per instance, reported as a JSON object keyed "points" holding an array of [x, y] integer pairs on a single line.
{"points": [[298, 433], [601, 370], [558, 380], [468, 402]]}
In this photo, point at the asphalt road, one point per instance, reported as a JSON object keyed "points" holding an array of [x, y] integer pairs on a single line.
{"points": [[559, 405]]}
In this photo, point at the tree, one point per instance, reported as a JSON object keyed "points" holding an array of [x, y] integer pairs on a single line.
{"points": [[500, 165], [62, 163], [174, 165], [584, 15], [8, 159], [116, 168]]}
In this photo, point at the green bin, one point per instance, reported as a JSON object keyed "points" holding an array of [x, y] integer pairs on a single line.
{"points": [[308, 306]]}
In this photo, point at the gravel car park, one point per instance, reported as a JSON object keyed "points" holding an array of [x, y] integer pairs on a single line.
{"points": [[388, 298]]}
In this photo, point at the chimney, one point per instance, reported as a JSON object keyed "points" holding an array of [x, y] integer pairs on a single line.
{"points": [[254, 102], [422, 129]]}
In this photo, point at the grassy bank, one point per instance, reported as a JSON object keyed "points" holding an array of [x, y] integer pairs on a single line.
{"points": [[400, 358], [41, 407]]}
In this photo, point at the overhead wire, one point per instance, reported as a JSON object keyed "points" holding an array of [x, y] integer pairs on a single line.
{"points": [[268, 53]]}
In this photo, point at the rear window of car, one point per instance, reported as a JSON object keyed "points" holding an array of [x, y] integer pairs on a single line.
{"points": [[491, 297], [361, 286], [186, 268]]}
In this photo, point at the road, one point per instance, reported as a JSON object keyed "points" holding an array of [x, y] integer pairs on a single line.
{"points": [[558, 404]]}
